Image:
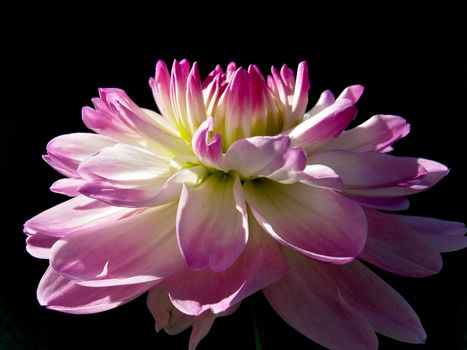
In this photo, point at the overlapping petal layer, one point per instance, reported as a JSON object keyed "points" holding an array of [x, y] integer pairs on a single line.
{"points": [[231, 189]]}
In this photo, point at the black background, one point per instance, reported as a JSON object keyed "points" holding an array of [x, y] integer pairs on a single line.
{"points": [[54, 65]]}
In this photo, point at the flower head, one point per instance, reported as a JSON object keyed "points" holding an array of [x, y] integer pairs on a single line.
{"points": [[233, 189]]}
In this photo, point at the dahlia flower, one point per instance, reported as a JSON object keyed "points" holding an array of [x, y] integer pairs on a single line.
{"points": [[234, 188]]}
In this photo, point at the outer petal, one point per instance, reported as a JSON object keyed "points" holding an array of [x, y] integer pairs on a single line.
{"points": [[318, 310], [263, 155], [353, 285], [65, 152], [261, 263], [57, 292], [208, 149], [388, 203], [410, 250], [79, 213], [136, 249], [212, 225], [38, 245], [325, 125], [376, 134], [445, 236], [373, 174], [67, 186], [318, 223], [173, 321]]}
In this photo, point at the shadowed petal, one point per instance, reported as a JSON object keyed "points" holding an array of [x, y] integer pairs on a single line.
{"points": [[264, 156], [317, 310], [409, 245], [60, 293], [261, 263]]}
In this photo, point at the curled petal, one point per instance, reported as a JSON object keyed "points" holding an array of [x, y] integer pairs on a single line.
{"points": [[65, 152], [318, 223], [208, 148], [261, 263], [376, 134], [60, 293], [215, 208], [139, 248], [262, 156]]}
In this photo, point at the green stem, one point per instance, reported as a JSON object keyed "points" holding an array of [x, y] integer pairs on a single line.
{"points": [[258, 343]]}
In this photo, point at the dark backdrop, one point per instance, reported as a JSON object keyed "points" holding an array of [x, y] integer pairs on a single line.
{"points": [[54, 68]]}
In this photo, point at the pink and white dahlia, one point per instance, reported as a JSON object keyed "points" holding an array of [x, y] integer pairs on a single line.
{"points": [[233, 188]]}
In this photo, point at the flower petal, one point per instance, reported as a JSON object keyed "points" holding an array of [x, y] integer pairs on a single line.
{"points": [[124, 175], [318, 223], [317, 310], [325, 100], [261, 263], [352, 93], [136, 249], [376, 134], [410, 245], [173, 321], [67, 186], [445, 236], [118, 117], [388, 313], [146, 195], [212, 224], [325, 125], [208, 149], [321, 176], [265, 155], [374, 174], [38, 245], [388, 203], [60, 293], [76, 214], [65, 152], [125, 164]]}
